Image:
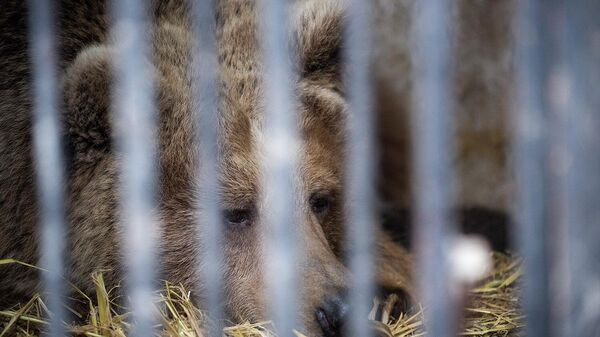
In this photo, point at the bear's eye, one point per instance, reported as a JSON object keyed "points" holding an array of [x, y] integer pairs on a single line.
{"points": [[319, 204], [239, 217]]}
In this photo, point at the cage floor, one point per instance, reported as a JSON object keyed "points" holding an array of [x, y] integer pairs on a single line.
{"points": [[492, 310]]}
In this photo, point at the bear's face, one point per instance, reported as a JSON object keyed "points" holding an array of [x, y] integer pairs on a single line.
{"points": [[94, 179], [318, 198]]}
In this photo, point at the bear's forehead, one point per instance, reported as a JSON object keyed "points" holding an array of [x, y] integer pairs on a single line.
{"points": [[241, 109], [242, 136], [242, 125]]}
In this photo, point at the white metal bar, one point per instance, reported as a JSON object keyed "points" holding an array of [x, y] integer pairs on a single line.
{"points": [[48, 159], [537, 200], [280, 165], [578, 88], [134, 116], [204, 74], [432, 173], [360, 167]]}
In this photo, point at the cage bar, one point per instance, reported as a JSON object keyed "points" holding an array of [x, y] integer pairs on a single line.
{"points": [[48, 158], [280, 148], [360, 166], [577, 89], [533, 180], [431, 171], [134, 116], [204, 74]]}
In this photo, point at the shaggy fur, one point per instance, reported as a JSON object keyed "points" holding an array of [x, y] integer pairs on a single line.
{"points": [[482, 92], [92, 192], [482, 96]]}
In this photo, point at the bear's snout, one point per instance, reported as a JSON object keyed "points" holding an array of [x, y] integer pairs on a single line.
{"points": [[332, 313]]}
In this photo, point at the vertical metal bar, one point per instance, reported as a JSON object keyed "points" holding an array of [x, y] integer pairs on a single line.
{"points": [[530, 146], [280, 164], [578, 88], [360, 166], [540, 153], [48, 158], [432, 172], [134, 115], [204, 74]]}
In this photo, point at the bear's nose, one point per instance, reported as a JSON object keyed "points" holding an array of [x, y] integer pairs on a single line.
{"points": [[332, 314]]}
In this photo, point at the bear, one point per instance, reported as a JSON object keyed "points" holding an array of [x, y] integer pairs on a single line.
{"points": [[92, 192], [482, 96]]}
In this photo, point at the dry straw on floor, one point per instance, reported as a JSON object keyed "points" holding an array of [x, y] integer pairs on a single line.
{"points": [[492, 311]]}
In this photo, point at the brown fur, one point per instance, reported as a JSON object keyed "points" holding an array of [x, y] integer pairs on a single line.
{"points": [[94, 232], [482, 96]]}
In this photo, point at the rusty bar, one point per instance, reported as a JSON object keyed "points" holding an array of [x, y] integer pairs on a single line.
{"points": [[48, 159], [134, 116], [204, 72], [280, 148], [432, 173], [360, 166]]}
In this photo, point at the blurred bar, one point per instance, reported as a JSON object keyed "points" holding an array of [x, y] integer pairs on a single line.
{"points": [[360, 166], [531, 120], [134, 116], [432, 172], [279, 167], [48, 157], [578, 89], [210, 233]]}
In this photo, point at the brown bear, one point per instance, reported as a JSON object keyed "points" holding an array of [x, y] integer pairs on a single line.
{"points": [[86, 51], [482, 70]]}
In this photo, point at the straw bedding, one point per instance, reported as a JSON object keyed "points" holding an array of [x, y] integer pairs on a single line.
{"points": [[492, 310]]}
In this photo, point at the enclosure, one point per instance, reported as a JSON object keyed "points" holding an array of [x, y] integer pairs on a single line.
{"points": [[548, 56]]}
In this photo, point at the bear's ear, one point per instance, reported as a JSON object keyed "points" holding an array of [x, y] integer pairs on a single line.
{"points": [[318, 29], [86, 90]]}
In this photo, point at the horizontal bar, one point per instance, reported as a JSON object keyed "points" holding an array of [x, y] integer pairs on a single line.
{"points": [[134, 116], [431, 171], [48, 158]]}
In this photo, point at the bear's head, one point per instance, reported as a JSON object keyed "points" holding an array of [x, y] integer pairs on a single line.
{"points": [[321, 111]]}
